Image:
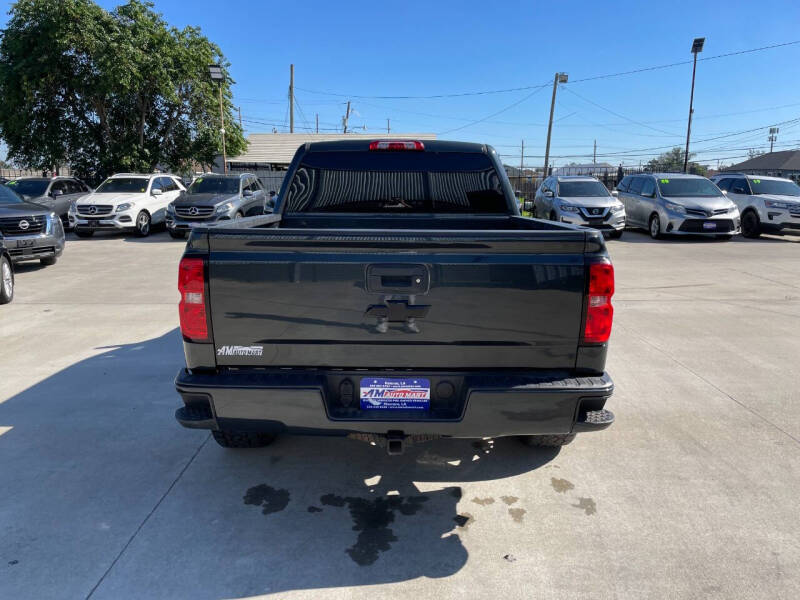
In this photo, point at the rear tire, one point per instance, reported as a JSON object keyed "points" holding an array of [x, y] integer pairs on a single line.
{"points": [[547, 441], [49, 261], [242, 439], [6, 280], [83, 233], [176, 235], [751, 225], [655, 227]]}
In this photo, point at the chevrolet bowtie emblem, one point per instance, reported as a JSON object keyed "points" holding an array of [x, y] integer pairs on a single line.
{"points": [[397, 311]]}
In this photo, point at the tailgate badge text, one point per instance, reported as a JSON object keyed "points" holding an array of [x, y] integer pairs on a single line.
{"points": [[240, 351]]}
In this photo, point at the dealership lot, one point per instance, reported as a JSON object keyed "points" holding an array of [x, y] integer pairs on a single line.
{"points": [[693, 491]]}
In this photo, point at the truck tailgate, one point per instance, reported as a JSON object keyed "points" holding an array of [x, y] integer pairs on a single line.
{"points": [[382, 299]]}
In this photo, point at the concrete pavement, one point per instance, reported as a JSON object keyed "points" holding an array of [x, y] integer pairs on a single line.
{"points": [[692, 493]]}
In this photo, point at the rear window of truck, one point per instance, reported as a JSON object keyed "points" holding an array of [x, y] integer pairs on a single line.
{"points": [[402, 182]]}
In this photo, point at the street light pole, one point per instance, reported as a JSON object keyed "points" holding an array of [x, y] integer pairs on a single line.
{"points": [[559, 78], [216, 74], [697, 46]]}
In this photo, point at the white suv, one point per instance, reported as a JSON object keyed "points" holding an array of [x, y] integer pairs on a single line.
{"points": [[127, 202], [767, 204]]}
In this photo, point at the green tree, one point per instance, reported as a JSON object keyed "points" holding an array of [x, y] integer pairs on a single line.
{"points": [[672, 161], [109, 91]]}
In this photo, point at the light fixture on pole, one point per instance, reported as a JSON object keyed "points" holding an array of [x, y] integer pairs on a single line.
{"points": [[773, 137], [697, 46], [559, 78], [216, 74]]}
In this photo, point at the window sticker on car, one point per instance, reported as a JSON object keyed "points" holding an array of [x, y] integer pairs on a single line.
{"points": [[756, 180], [665, 181]]}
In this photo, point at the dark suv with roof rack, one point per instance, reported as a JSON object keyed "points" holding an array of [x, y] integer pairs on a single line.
{"points": [[31, 231]]}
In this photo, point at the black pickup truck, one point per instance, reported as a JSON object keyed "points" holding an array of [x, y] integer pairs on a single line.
{"points": [[395, 296]]}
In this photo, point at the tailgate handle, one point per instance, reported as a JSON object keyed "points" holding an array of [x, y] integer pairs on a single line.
{"points": [[399, 279]]}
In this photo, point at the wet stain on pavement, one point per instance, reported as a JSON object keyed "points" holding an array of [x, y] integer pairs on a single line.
{"points": [[483, 501], [518, 514], [271, 500], [562, 486], [314, 509], [587, 505], [509, 500], [371, 518]]}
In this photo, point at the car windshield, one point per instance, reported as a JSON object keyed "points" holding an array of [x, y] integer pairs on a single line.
{"points": [[685, 187], [576, 189], [29, 187], [214, 185], [8, 196], [775, 187], [123, 185]]}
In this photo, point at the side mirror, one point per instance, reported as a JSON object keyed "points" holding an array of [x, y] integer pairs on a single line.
{"points": [[156, 192], [56, 193], [724, 192], [247, 193], [548, 193], [614, 193]]}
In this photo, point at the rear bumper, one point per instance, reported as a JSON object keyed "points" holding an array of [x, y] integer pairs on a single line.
{"points": [[491, 404]]}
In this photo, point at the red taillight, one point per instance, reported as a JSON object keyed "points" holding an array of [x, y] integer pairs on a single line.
{"points": [[599, 312], [192, 308], [396, 145]]}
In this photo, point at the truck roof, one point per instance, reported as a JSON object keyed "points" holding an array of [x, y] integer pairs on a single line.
{"points": [[362, 145]]}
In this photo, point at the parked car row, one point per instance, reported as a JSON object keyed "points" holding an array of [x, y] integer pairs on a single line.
{"points": [[673, 204]]}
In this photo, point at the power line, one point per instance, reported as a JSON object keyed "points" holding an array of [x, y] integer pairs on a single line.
{"points": [[574, 81]]}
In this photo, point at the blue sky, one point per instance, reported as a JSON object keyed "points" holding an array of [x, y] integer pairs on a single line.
{"points": [[437, 47]]}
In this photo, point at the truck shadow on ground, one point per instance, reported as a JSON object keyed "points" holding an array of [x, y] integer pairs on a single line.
{"points": [[146, 508]]}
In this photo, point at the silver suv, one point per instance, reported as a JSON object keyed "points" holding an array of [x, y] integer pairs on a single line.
{"points": [[767, 204], [677, 203], [580, 200], [212, 198]]}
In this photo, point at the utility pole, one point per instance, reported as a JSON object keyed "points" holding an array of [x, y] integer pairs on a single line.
{"points": [[594, 154], [240, 118], [773, 137], [521, 163], [388, 129], [559, 78], [317, 122], [697, 46], [291, 98], [346, 116]]}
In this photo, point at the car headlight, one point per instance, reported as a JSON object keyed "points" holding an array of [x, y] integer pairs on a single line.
{"points": [[570, 208], [171, 208], [776, 204], [125, 206], [50, 226], [676, 208], [618, 208], [223, 208]]}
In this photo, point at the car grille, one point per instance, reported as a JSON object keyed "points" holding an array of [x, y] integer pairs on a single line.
{"points": [[594, 212], [94, 210], [794, 210], [696, 226], [194, 212], [22, 225], [38, 251], [706, 213]]}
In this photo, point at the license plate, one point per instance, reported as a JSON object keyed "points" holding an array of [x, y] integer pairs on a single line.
{"points": [[24, 243], [709, 225], [412, 393]]}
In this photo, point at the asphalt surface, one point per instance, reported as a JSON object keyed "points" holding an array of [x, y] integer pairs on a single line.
{"points": [[692, 493]]}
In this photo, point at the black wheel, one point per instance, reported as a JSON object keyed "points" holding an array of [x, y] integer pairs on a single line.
{"points": [[49, 261], [242, 439], [176, 234], [83, 233], [142, 228], [553, 215], [751, 225], [616, 234], [547, 441], [6, 280], [655, 227]]}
